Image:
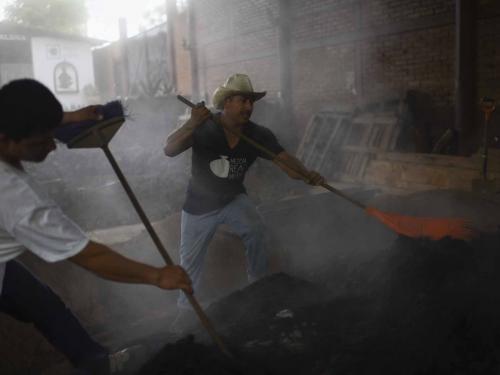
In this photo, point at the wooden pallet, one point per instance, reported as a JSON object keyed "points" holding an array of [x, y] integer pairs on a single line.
{"points": [[340, 145]]}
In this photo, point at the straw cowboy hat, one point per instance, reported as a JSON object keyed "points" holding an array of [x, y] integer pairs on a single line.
{"points": [[237, 84]]}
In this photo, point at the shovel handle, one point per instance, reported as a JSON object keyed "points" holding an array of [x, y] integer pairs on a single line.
{"points": [[186, 101], [205, 321]]}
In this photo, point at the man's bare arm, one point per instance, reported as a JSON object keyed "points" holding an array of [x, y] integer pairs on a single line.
{"points": [[294, 168], [91, 112], [108, 264], [182, 138]]}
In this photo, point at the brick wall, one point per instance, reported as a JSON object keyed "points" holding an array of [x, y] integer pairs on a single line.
{"points": [[237, 36], [345, 51], [489, 48], [422, 60]]}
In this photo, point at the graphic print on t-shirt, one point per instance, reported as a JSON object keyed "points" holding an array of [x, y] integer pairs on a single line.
{"points": [[228, 168], [220, 167]]}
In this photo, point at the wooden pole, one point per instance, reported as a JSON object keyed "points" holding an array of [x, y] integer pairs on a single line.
{"points": [[194, 303]]}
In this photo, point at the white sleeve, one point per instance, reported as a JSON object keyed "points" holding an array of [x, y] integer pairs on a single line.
{"points": [[49, 233]]}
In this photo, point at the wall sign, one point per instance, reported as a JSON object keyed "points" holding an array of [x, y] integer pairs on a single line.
{"points": [[65, 78]]}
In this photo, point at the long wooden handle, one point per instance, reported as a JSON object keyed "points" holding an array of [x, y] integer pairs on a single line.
{"points": [[273, 156], [207, 324]]}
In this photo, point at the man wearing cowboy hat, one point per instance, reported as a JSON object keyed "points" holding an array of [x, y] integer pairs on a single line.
{"points": [[216, 194]]}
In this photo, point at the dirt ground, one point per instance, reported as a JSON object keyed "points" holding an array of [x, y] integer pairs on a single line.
{"points": [[348, 297], [425, 308]]}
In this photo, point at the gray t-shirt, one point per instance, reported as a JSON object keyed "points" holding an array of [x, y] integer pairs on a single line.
{"points": [[217, 170]]}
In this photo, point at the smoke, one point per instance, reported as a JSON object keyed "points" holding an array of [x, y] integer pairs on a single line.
{"points": [[84, 184], [317, 237]]}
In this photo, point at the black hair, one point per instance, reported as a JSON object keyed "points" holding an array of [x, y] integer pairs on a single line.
{"points": [[28, 108]]}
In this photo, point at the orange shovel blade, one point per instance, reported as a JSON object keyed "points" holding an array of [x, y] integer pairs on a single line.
{"points": [[427, 227]]}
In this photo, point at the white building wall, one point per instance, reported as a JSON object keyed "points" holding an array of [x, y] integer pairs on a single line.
{"points": [[65, 67]]}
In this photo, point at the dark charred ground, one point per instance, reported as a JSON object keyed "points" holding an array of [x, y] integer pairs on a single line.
{"points": [[419, 307], [361, 300]]}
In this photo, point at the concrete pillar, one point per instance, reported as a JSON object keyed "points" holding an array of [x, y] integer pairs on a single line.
{"points": [[465, 73], [171, 14], [358, 67], [124, 63], [285, 64], [193, 49]]}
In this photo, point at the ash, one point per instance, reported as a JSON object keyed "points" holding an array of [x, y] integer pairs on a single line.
{"points": [[419, 307]]}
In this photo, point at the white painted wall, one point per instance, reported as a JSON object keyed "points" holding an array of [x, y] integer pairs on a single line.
{"points": [[48, 53]]}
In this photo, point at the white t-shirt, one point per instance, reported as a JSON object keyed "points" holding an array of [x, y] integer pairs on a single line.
{"points": [[30, 220]]}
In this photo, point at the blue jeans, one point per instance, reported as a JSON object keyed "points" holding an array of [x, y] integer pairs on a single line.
{"points": [[27, 299], [198, 230]]}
